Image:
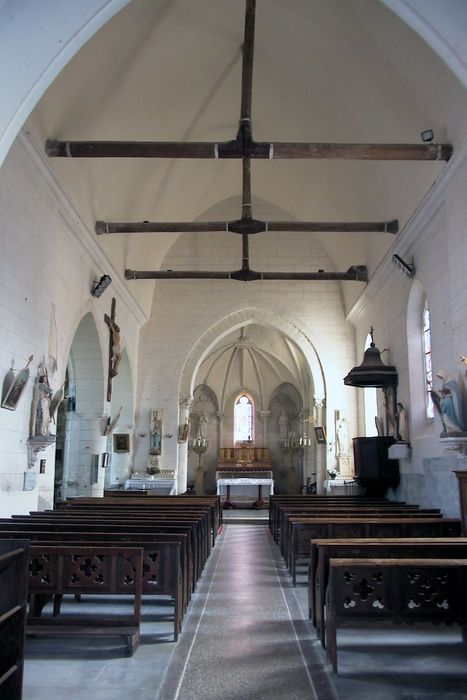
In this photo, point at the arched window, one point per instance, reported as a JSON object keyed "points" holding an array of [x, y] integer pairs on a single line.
{"points": [[428, 367], [244, 424], [370, 402]]}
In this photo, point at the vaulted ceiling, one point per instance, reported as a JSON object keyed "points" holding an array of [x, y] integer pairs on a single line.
{"points": [[345, 71]]}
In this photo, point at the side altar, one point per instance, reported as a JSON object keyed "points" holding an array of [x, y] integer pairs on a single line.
{"points": [[239, 469]]}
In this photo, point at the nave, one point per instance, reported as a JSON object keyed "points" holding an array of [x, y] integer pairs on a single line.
{"points": [[247, 636]]}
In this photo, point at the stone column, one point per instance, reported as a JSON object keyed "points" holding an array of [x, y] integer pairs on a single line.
{"points": [[182, 470], [264, 417], [320, 450], [306, 422], [220, 430]]}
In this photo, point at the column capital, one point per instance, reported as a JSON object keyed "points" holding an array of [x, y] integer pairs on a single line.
{"points": [[185, 402]]}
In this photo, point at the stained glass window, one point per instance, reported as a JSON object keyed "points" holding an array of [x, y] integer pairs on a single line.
{"points": [[243, 419], [427, 361]]}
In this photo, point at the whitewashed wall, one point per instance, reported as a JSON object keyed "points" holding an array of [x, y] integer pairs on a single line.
{"points": [[436, 238], [46, 256], [185, 311]]}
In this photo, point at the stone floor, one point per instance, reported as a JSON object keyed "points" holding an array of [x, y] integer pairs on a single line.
{"points": [[247, 637]]}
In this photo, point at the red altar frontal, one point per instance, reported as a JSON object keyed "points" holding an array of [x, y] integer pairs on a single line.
{"points": [[240, 468]]}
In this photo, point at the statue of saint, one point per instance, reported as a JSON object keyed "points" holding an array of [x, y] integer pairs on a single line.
{"points": [[40, 409], [342, 435], [448, 402], [202, 427], [283, 426], [402, 424]]}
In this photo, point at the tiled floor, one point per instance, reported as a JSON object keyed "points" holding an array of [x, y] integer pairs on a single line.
{"points": [[247, 637]]}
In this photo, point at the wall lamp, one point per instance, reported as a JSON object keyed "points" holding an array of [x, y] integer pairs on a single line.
{"points": [[427, 135], [99, 286], [406, 269]]}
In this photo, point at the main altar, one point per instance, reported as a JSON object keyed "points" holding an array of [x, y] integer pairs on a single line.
{"points": [[242, 469]]}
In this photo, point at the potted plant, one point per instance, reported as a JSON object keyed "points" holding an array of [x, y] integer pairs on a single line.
{"points": [[332, 473]]}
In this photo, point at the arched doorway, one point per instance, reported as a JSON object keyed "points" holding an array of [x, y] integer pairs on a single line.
{"points": [[80, 439]]}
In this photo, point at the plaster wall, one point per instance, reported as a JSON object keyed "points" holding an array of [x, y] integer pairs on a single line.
{"points": [[46, 257], [436, 240], [184, 312]]}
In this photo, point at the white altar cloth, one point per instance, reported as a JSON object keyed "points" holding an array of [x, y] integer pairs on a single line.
{"points": [[149, 484], [244, 481]]}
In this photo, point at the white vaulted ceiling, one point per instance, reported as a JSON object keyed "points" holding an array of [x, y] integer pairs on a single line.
{"points": [[324, 71], [257, 359]]}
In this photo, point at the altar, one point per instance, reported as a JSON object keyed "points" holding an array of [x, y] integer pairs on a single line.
{"points": [[164, 486], [244, 471]]}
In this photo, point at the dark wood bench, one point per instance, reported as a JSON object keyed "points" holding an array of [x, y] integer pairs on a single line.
{"points": [[211, 504], [306, 529], [386, 511], [161, 571], [279, 502], [56, 570], [410, 590], [321, 551], [13, 604], [130, 524]]}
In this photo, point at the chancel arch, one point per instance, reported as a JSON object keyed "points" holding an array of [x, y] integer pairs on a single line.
{"points": [[255, 359], [84, 441]]}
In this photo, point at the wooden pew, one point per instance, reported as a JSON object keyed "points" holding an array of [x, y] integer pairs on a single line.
{"points": [[98, 571], [321, 551], [363, 511], [303, 530], [277, 502], [400, 590], [113, 527], [183, 502], [199, 547], [161, 571], [13, 605]]}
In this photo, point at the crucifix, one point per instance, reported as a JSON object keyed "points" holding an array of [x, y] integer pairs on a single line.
{"points": [[115, 354]]}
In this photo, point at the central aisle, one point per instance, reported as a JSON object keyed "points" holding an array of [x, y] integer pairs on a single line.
{"points": [[247, 635]]}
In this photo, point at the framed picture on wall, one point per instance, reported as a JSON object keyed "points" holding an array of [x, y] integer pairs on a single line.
{"points": [[320, 434], [121, 442]]}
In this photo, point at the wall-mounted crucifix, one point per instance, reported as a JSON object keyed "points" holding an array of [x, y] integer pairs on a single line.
{"points": [[115, 354]]}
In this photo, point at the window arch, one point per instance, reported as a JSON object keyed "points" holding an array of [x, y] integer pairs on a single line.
{"points": [[427, 360], [370, 402], [244, 418]]}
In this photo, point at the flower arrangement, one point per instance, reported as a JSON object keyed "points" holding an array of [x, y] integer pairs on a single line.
{"points": [[153, 468], [332, 473]]}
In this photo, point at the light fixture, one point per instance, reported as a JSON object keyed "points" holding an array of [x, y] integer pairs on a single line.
{"points": [[99, 286], [427, 135], [407, 269]]}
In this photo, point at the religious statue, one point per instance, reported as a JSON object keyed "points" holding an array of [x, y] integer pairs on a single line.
{"points": [[448, 402], [116, 351], [342, 434], [40, 408], [402, 424], [155, 438], [283, 426], [202, 427], [342, 442]]}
